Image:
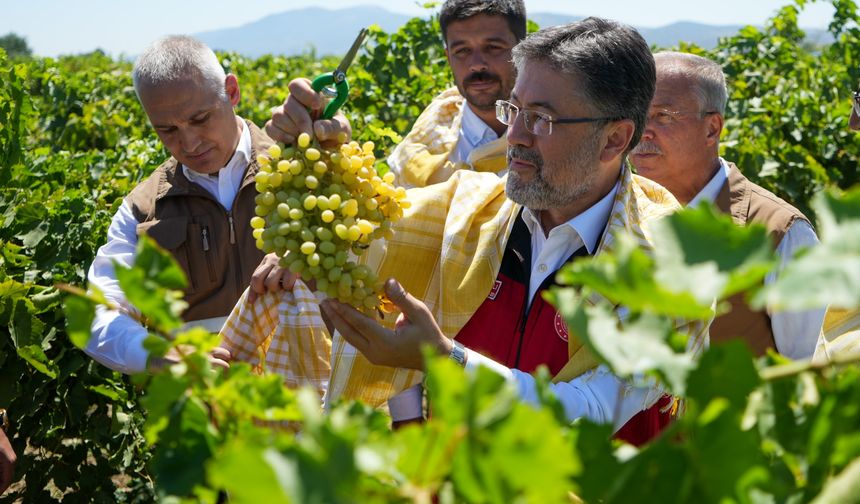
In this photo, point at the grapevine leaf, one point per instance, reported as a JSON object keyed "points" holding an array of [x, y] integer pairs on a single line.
{"points": [[79, 319], [829, 273], [627, 277], [250, 473], [149, 285], [37, 358], [708, 255], [641, 345]]}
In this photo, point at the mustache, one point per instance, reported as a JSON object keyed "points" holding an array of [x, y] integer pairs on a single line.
{"points": [[529, 156], [482, 76], [646, 147]]}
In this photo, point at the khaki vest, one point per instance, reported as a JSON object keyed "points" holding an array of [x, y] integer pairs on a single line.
{"points": [[214, 247], [746, 203]]}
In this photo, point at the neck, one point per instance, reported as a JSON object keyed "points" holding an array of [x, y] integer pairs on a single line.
{"points": [[489, 118], [604, 181], [686, 188]]}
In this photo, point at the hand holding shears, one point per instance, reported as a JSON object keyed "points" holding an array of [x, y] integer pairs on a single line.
{"points": [[340, 92]]}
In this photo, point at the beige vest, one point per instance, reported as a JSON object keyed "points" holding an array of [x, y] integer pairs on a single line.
{"points": [[747, 202], [214, 247]]}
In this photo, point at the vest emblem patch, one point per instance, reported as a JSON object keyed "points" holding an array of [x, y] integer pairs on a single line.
{"points": [[560, 326], [495, 291]]}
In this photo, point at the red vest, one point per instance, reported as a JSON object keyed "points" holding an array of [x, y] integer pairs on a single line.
{"points": [[506, 329]]}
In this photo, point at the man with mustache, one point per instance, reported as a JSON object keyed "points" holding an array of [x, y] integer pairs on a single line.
{"points": [[680, 150], [197, 204], [477, 250], [459, 129]]}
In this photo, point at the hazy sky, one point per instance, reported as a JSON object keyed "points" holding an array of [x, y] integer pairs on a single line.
{"points": [[55, 27]]}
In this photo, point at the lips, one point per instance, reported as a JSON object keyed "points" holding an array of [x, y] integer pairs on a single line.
{"points": [[522, 159], [198, 157]]}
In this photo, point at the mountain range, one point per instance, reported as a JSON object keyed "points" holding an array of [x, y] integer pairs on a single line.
{"points": [[326, 31]]}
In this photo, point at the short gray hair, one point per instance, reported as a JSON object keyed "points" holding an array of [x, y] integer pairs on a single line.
{"points": [[175, 58], [611, 61], [710, 81]]}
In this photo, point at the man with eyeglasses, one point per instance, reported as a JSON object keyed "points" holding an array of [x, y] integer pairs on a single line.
{"points": [[477, 251], [680, 150]]}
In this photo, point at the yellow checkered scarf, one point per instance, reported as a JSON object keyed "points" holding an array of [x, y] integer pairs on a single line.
{"points": [[422, 157], [447, 251], [840, 334]]}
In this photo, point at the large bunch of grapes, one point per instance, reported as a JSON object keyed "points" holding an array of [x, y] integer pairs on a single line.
{"points": [[315, 206]]}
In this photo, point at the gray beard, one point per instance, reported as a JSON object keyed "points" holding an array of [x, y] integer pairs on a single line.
{"points": [[538, 193]]}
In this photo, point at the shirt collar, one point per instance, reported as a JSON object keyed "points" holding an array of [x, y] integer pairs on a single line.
{"points": [[240, 159], [476, 131], [589, 225], [713, 187]]}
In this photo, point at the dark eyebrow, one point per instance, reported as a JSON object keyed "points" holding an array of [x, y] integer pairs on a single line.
{"points": [[497, 40], [532, 105]]}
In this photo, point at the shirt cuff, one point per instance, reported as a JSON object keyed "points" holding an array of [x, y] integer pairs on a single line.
{"points": [[474, 360], [408, 404]]}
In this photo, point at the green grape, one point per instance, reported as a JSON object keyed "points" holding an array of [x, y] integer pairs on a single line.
{"points": [[317, 205]]}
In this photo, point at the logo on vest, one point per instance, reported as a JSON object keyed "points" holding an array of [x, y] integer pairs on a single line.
{"points": [[560, 326], [495, 292]]}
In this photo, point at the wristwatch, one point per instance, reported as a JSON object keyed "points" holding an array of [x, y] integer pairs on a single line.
{"points": [[4, 420], [458, 353]]}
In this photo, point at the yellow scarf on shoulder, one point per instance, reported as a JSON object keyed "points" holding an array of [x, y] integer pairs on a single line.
{"points": [[421, 159], [840, 335], [446, 251]]}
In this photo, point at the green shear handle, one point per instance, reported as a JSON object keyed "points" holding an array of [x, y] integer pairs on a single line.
{"points": [[340, 92]]}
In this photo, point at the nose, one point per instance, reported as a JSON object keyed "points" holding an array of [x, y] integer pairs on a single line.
{"points": [[477, 62], [518, 134], [189, 140], [648, 132]]}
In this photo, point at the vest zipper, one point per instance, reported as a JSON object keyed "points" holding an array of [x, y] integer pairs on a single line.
{"points": [[232, 229], [206, 248], [524, 318]]}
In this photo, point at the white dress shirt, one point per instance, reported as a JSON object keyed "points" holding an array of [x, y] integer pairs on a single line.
{"points": [[795, 333], [117, 339], [597, 394], [474, 132]]}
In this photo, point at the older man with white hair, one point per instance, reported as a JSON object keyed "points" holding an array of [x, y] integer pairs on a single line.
{"points": [[680, 150], [197, 205]]}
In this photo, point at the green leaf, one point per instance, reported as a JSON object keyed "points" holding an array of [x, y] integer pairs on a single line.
{"points": [[80, 313], [639, 346], [829, 274], [707, 254], [37, 358], [724, 371], [627, 277], [149, 285], [252, 473]]}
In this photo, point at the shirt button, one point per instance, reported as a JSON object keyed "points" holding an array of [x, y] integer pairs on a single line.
{"points": [[542, 268]]}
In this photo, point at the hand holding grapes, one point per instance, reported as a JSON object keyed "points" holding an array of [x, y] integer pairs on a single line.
{"points": [[401, 347]]}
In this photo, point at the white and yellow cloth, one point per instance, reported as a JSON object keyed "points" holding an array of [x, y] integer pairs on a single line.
{"points": [[839, 335], [446, 251], [422, 158]]}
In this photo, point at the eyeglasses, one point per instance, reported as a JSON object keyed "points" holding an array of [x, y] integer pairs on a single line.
{"points": [[665, 117], [538, 123]]}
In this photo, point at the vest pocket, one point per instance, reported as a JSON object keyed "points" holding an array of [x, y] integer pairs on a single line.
{"points": [[172, 235]]}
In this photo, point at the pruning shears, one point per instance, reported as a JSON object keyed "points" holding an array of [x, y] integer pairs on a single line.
{"points": [[340, 91]]}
